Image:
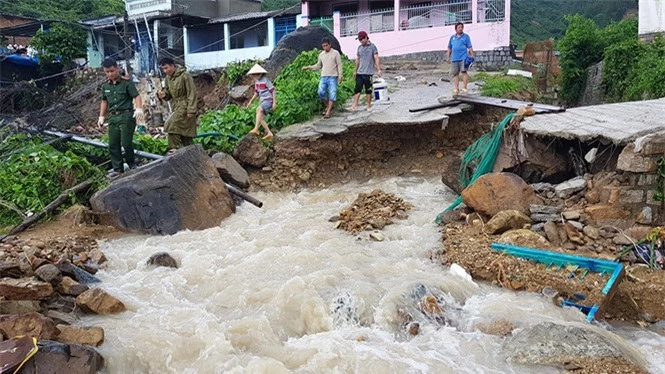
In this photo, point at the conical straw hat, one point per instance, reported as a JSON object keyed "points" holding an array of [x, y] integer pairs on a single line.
{"points": [[257, 69]]}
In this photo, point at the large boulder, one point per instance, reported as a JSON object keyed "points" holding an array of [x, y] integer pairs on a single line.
{"points": [[24, 289], [506, 220], [548, 343], [178, 192], [98, 301], [230, 170], [32, 324], [251, 152], [80, 335], [56, 358], [294, 43], [492, 193]]}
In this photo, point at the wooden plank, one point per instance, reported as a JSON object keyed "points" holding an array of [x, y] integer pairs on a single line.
{"points": [[436, 106], [508, 103]]}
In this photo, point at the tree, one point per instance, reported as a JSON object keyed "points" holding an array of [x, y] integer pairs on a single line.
{"points": [[581, 47], [62, 41], [62, 10]]}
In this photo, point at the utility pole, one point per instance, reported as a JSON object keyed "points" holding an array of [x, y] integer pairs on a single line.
{"points": [[127, 39]]}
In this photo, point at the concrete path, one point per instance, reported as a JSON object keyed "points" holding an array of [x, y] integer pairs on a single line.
{"points": [[421, 88], [619, 123]]}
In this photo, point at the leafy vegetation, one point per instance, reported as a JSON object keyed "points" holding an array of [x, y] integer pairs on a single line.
{"points": [[496, 85], [66, 10], [31, 178], [534, 20], [297, 101], [235, 71], [62, 41], [632, 70], [581, 47], [267, 5]]}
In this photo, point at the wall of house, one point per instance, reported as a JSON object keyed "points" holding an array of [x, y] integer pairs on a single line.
{"points": [[199, 8], [136, 7], [484, 36], [254, 46], [9, 21], [651, 17]]}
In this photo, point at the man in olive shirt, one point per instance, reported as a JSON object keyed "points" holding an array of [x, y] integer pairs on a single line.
{"points": [[180, 89], [117, 97]]}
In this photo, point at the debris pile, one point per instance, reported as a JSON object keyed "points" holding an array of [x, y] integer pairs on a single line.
{"points": [[45, 288], [372, 211]]}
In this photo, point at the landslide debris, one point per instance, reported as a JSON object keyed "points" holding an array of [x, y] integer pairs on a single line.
{"points": [[372, 211]]}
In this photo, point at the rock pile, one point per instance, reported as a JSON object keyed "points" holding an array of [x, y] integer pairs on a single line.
{"points": [[372, 211], [44, 289]]}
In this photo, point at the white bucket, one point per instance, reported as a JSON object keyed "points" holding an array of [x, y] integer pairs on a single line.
{"points": [[380, 90]]}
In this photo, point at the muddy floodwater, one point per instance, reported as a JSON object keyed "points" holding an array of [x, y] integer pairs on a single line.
{"points": [[279, 290]]}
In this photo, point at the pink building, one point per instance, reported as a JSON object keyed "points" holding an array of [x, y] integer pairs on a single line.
{"points": [[400, 27]]}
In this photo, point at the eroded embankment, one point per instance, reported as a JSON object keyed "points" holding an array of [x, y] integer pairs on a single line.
{"points": [[373, 151]]}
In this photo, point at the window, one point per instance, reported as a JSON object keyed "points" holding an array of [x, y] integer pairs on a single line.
{"points": [[207, 38], [248, 34]]}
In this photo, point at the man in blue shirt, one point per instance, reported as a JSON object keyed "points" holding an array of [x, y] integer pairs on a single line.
{"points": [[459, 48]]}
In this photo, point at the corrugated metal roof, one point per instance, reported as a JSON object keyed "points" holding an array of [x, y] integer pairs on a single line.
{"points": [[619, 123], [258, 15]]}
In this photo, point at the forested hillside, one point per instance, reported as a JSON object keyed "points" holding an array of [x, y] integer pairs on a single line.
{"points": [[534, 20], [69, 10]]}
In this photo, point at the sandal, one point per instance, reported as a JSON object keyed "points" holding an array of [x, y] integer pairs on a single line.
{"points": [[326, 116], [268, 137], [254, 132]]}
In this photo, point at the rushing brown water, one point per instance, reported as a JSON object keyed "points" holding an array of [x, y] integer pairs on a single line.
{"points": [[278, 290]]}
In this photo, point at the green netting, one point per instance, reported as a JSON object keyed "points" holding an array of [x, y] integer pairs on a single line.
{"points": [[481, 153]]}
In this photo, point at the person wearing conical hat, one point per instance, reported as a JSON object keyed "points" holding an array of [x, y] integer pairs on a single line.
{"points": [[265, 91]]}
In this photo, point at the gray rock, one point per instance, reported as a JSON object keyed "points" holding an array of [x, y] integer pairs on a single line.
{"points": [[163, 259], [178, 192], [538, 227], [544, 209], [239, 93], [230, 170], [54, 358], [548, 343], [592, 232], [294, 43], [573, 215], [251, 152], [49, 273], [646, 216], [568, 188], [545, 217]]}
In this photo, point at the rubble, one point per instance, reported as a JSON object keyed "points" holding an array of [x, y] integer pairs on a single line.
{"points": [[372, 211]]}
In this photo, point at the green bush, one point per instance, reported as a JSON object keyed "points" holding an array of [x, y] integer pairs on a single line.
{"points": [[581, 47], [634, 70], [297, 101], [31, 178], [505, 86], [234, 71], [63, 40]]}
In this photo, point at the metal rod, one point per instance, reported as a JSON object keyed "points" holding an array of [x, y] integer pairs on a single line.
{"points": [[151, 156]]}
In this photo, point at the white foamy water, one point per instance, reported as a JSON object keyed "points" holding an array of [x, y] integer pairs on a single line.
{"points": [[278, 290]]}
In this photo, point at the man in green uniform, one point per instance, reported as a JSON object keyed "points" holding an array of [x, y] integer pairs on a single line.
{"points": [[117, 97], [180, 89]]}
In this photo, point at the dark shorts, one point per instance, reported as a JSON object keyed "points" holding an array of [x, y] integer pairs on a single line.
{"points": [[363, 80], [266, 106]]}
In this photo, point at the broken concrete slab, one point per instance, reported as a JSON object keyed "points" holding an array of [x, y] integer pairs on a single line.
{"points": [[619, 123], [569, 187]]}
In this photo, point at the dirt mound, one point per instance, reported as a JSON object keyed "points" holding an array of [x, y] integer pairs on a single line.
{"points": [[372, 210]]}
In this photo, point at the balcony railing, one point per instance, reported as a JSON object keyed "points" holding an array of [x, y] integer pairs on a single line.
{"points": [[325, 22], [418, 17], [373, 22], [491, 10]]}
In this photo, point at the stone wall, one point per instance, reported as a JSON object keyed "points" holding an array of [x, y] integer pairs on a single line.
{"points": [[487, 60], [628, 198], [496, 59], [594, 90]]}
